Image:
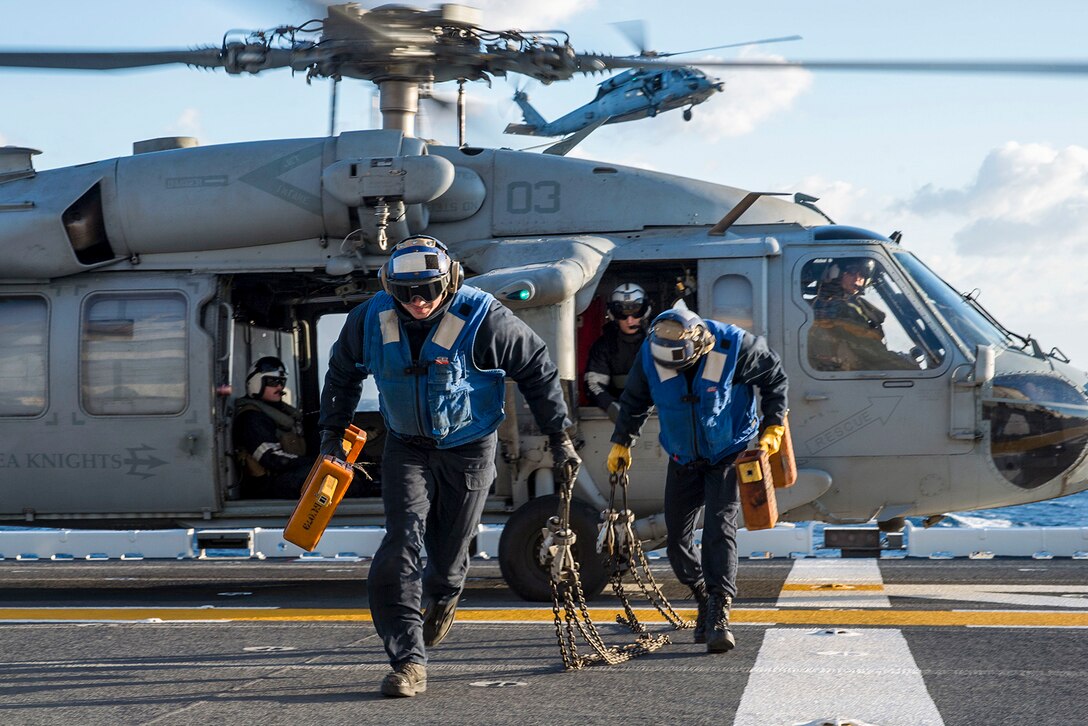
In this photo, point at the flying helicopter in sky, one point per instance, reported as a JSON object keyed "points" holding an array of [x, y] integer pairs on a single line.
{"points": [[634, 94], [138, 291]]}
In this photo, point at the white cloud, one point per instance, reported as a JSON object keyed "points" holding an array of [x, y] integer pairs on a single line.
{"points": [[1019, 232], [187, 124], [1022, 194], [840, 200], [3, 140], [528, 14], [749, 97]]}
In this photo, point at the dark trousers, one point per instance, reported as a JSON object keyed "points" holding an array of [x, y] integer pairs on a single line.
{"points": [[687, 489], [432, 497]]}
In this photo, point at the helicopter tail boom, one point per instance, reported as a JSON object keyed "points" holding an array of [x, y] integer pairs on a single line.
{"points": [[522, 129], [534, 122]]}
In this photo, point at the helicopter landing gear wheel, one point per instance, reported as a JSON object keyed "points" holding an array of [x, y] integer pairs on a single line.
{"points": [[687, 114], [520, 544]]}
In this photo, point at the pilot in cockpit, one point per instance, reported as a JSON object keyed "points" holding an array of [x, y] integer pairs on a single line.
{"points": [[848, 331]]}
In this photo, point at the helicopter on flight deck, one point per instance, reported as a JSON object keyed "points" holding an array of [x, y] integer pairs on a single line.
{"points": [[136, 293], [634, 94]]}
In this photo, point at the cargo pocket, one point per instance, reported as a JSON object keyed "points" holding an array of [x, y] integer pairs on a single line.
{"points": [[448, 397], [478, 479]]}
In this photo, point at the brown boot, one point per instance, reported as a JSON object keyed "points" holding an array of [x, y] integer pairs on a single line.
{"points": [[438, 619], [407, 679]]}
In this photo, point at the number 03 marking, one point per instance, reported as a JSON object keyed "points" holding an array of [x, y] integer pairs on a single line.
{"points": [[541, 197]]}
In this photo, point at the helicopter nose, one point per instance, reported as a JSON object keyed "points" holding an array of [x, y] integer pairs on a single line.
{"points": [[1038, 427]]}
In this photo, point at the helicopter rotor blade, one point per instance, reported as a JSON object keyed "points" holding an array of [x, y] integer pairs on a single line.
{"points": [[762, 41], [234, 59], [109, 60], [1076, 67], [635, 32]]}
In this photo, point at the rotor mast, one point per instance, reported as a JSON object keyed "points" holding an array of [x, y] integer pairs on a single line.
{"points": [[399, 104]]}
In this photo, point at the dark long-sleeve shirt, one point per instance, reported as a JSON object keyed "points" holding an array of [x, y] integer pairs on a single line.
{"points": [[502, 342], [757, 365], [256, 434], [610, 360]]}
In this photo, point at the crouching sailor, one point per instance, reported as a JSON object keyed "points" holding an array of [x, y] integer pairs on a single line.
{"points": [[701, 375]]}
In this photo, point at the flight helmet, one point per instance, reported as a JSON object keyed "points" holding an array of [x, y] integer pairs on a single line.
{"points": [[628, 299], [678, 338], [267, 371], [863, 266], [420, 266]]}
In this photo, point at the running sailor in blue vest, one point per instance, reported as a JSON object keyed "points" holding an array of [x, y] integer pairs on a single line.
{"points": [[439, 352], [700, 374]]}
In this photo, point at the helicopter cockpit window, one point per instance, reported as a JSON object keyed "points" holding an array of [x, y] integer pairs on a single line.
{"points": [[133, 353], [969, 324], [862, 320], [24, 335]]}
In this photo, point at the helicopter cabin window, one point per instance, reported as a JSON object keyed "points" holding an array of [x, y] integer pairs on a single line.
{"points": [[133, 352], [733, 301], [24, 334], [862, 320]]}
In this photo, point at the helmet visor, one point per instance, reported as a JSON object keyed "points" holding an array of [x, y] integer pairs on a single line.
{"points": [[273, 381], [428, 290], [621, 309], [671, 330]]}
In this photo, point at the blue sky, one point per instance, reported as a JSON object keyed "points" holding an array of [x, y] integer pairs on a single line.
{"points": [[986, 176]]}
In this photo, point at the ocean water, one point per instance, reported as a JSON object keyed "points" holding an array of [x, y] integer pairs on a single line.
{"points": [[1070, 511]]}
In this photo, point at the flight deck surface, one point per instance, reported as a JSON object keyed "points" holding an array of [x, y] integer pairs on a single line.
{"points": [[860, 641]]}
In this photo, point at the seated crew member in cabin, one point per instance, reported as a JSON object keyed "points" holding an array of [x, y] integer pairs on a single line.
{"points": [[439, 352], [611, 356], [700, 374], [268, 436]]}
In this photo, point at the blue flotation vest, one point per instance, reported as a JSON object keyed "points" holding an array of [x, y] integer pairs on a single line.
{"points": [[442, 396], [717, 418]]}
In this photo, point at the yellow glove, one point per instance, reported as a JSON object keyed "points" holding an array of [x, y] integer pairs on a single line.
{"points": [[772, 439], [619, 454]]}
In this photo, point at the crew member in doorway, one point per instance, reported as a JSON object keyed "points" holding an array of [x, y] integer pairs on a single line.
{"points": [[702, 376], [611, 356], [268, 435], [439, 352], [847, 333]]}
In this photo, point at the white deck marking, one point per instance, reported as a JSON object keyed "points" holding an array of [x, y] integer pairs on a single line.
{"points": [[834, 584], [869, 676], [1074, 597], [866, 675]]}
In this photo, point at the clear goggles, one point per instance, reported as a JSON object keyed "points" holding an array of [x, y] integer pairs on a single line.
{"points": [[428, 290]]}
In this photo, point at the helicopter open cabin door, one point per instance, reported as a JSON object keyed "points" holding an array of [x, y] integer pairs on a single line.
{"points": [[870, 371]]}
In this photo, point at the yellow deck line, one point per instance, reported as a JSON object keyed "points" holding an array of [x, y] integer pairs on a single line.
{"points": [[832, 587], [868, 617]]}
